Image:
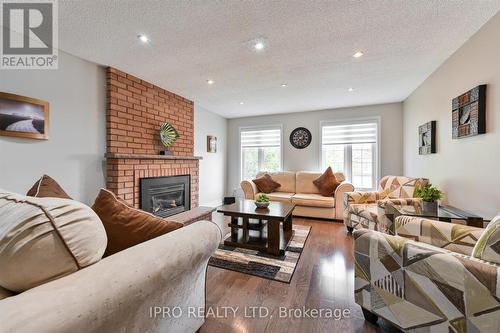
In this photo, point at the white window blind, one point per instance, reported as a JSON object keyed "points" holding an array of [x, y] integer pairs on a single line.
{"points": [[260, 150], [261, 138], [351, 148], [349, 134]]}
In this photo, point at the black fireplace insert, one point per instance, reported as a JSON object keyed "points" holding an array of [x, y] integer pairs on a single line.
{"points": [[166, 196]]}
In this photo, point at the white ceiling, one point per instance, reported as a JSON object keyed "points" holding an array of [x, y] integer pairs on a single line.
{"points": [[309, 47]]}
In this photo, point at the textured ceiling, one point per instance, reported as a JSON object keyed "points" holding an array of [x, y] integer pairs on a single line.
{"points": [[309, 47]]}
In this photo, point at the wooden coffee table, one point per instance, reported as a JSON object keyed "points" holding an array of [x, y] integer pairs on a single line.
{"points": [[259, 228]]}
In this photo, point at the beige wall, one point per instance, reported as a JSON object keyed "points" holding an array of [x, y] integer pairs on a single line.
{"points": [[468, 169], [391, 120], [213, 165], [74, 153]]}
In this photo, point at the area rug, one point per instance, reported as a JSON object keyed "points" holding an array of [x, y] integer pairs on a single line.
{"points": [[261, 264]]}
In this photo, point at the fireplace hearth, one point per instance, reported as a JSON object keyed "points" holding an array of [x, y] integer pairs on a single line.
{"points": [[166, 196]]}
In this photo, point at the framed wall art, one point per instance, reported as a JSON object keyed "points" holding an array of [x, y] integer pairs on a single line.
{"points": [[23, 117], [427, 138], [469, 113], [211, 144]]}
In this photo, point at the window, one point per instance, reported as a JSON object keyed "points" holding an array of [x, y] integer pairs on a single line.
{"points": [[260, 150], [351, 148]]}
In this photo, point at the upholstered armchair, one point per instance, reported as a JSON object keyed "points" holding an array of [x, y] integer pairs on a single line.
{"points": [[430, 277], [366, 210]]}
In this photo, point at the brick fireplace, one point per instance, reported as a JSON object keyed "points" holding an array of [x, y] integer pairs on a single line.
{"points": [[135, 110]]}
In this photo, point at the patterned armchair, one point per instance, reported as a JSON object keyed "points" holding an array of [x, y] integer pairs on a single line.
{"points": [[425, 279], [366, 210]]}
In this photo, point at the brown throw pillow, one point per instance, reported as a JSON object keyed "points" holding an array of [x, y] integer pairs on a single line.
{"points": [[47, 187], [326, 183], [266, 184], [126, 226]]}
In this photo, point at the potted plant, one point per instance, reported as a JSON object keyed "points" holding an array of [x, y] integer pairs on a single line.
{"points": [[429, 195], [262, 201]]}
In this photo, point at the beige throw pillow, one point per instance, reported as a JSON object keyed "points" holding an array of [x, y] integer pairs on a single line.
{"points": [[42, 239]]}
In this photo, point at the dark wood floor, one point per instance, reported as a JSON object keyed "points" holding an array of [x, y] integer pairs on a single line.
{"points": [[324, 278]]}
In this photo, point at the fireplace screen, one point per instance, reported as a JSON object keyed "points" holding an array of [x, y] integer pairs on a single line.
{"points": [[165, 196]]}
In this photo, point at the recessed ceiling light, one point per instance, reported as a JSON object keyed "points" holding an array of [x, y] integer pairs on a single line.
{"points": [[350, 89], [358, 54], [241, 103], [143, 38], [259, 46], [210, 81], [283, 85]]}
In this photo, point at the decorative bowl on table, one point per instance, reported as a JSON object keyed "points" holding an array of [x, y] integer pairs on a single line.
{"points": [[261, 204], [262, 201]]}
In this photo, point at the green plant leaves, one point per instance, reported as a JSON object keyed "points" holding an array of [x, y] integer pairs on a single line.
{"points": [[262, 198], [428, 192]]}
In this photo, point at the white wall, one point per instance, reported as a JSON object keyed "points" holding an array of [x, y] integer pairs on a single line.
{"points": [[468, 169], [74, 153], [213, 165], [391, 120]]}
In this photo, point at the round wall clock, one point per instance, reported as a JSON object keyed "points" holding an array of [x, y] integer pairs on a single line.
{"points": [[300, 137]]}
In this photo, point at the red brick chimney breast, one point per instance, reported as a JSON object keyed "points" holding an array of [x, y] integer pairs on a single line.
{"points": [[135, 111]]}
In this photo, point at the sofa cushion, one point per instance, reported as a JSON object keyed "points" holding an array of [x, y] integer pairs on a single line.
{"points": [[313, 200], [365, 210], [318, 212], [126, 226], [266, 184], [47, 187], [304, 182], [399, 186], [285, 178], [326, 183], [42, 239], [488, 245], [278, 196]]}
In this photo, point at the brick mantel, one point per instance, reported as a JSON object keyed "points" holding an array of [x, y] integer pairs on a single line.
{"points": [[152, 157], [135, 111]]}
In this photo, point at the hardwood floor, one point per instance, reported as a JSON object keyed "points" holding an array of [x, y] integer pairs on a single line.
{"points": [[324, 279]]}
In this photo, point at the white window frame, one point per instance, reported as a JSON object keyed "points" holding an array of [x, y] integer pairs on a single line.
{"points": [[259, 127], [348, 153]]}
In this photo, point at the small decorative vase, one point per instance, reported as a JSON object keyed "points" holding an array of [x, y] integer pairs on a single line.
{"points": [[430, 206]]}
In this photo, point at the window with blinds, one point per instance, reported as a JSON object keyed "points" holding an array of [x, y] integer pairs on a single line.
{"points": [[351, 148], [260, 150]]}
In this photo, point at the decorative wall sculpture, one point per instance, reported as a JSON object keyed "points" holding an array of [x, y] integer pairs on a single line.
{"points": [[427, 138], [469, 113], [211, 144]]}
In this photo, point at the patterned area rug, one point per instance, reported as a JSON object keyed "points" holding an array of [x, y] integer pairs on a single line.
{"points": [[261, 264]]}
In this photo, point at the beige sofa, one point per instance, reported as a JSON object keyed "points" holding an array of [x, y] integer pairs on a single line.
{"points": [[298, 188], [120, 292]]}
